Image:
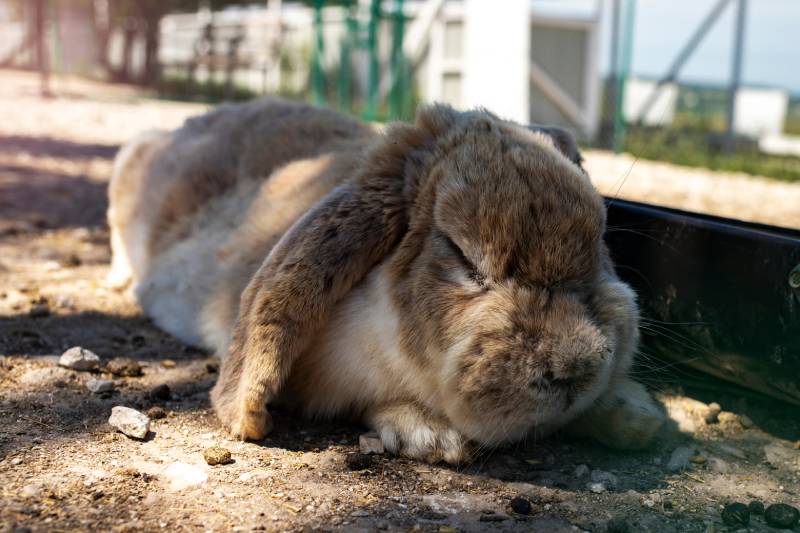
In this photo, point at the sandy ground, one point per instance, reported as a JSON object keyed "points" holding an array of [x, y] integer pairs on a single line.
{"points": [[63, 468]]}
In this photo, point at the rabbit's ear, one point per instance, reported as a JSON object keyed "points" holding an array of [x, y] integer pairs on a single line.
{"points": [[315, 264], [562, 140]]}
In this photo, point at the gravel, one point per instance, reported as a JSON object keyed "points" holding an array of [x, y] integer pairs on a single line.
{"points": [[217, 455], [130, 421], [77, 358]]}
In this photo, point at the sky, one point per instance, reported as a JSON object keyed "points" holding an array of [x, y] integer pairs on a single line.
{"points": [[662, 27]]}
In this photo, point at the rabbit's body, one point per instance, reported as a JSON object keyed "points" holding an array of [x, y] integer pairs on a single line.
{"points": [[240, 228]]}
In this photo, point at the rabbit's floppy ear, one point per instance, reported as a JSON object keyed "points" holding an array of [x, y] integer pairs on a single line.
{"points": [[315, 264], [563, 140]]}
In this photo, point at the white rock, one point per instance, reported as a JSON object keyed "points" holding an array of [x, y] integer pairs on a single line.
{"points": [[130, 421], [78, 358], [370, 443], [31, 491], [581, 470], [184, 475], [715, 464], [100, 385], [597, 488], [16, 461], [608, 479], [679, 460]]}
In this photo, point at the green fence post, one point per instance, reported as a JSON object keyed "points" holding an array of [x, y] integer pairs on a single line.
{"points": [[371, 109], [345, 48], [399, 86], [624, 72], [317, 73]]}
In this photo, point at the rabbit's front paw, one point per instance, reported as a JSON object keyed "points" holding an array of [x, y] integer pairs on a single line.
{"points": [[407, 430], [244, 420]]}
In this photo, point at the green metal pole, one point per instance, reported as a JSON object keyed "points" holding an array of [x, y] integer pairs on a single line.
{"points": [[624, 72], [317, 74], [370, 111], [399, 88], [345, 48]]}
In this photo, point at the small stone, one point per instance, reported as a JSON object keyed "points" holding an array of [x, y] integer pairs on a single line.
{"points": [[781, 516], [156, 412], [124, 367], [370, 443], [649, 503], [358, 461], [746, 421], [183, 475], [31, 491], [698, 459], [217, 455], [736, 515], [730, 421], [581, 470], [168, 363], [597, 488], [160, 392], [99, 386], [606, 478], [715, 464], [755, 507], [130, 421], [16, 461], [520, 505], [78, 358], [679, 460], [712, 413]]}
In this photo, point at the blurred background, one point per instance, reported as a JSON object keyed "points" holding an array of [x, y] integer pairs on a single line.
{"points": [[702, 85]]}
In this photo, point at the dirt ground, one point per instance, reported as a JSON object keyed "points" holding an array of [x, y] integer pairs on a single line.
{"points": [[63, 468]]}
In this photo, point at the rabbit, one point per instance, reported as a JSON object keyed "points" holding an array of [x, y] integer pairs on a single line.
{"points": [[446, 281]]}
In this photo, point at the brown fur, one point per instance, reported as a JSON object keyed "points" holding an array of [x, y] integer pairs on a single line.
{"points": [[488, 236]]}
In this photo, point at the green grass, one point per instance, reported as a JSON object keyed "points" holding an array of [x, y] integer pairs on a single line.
{"points": [[699, 148]]}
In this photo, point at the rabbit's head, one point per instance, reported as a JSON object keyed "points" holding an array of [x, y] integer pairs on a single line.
{"points": [[508, 301]]}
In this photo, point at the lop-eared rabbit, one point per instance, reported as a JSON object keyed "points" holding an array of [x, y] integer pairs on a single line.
{"points": [[446, 280]]}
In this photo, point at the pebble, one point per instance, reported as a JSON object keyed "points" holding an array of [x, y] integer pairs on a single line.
{"points": [[160, 392], [712, 413], [183, 475], [125, 367], [608, 479], [746, 421], [720, 466], [520, 505], [31, 491], [77, 358], [756, 507], [698, 459], [217, 455], [168, 363], [597, 488], [358, 461], [736, 514], [156, 412], [99, 386], [130, 421], [16, 461], [781, 516], [581, 470], [679, 460], [370, 443]]}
